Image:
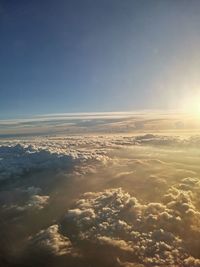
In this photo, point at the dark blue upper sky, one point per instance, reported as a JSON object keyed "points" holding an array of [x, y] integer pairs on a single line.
{"points": [[97, 55]]}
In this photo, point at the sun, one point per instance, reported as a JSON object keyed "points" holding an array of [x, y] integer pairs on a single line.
{"points": [[198, 108], [195, 107], [191, 105]]}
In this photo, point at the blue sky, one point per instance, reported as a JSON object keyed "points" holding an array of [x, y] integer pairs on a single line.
{"points": [[97, 55]]}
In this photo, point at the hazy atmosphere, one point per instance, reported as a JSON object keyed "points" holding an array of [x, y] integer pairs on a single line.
{"points": [[99, 133]]}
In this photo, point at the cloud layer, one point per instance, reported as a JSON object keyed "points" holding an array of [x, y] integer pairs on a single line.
{"points": [[114, 200]]}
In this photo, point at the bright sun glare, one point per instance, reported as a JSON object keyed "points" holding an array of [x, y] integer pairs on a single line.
{"points": [[192, 105]]}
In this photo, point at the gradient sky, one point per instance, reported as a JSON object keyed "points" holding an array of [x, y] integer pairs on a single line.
{"points": [[97, 55]]}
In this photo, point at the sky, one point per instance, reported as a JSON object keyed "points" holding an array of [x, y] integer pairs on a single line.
{"points": [[98, 55]]}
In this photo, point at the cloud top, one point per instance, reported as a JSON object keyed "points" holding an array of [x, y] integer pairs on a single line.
{"points": [[151, 234]]}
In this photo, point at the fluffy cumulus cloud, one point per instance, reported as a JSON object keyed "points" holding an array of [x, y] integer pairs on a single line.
{"points": [[52, 242], [18, 160], [30, 198], [37, 201], [152, 234], [21, 158]]}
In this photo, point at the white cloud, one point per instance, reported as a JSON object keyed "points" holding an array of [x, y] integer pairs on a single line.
{"points": [[52, 242], [37, 201], [19, 159], [25, 199], [150, 233]]}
